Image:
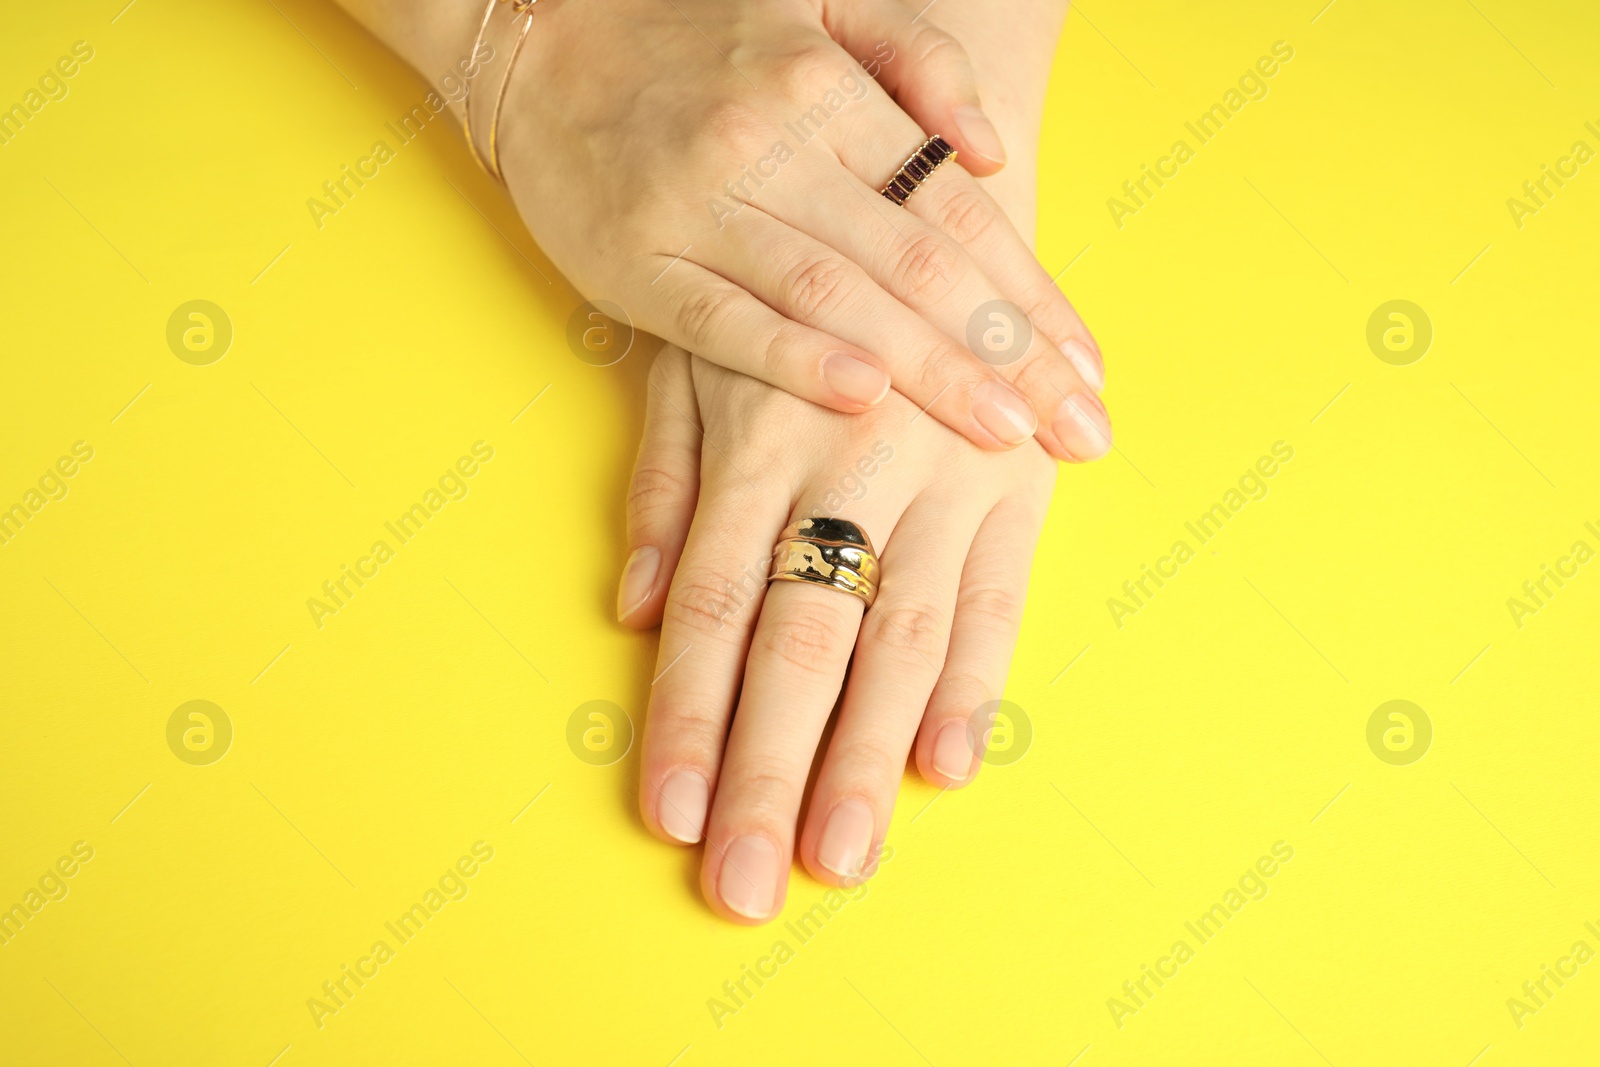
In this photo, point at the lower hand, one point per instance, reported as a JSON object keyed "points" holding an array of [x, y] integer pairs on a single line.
{"points": [[748, 674]]}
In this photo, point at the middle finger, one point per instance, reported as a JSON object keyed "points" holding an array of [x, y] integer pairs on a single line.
{"points": [[798, 654]]}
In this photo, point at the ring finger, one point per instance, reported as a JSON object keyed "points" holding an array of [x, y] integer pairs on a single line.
{"points": [[936, 278], [798, 654]]}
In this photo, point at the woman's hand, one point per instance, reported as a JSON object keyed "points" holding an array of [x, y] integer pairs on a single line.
{"points": [[713, 169], [748, 674]]}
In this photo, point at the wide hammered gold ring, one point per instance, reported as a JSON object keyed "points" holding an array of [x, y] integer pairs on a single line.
{"points": [[832, 552]]}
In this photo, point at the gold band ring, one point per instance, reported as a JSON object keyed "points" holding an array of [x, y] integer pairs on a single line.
{"points": [[914, 171], [832, 552]]}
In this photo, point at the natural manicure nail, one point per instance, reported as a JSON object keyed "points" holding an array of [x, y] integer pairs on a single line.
{"points": [[952, 751], [638, 578], [856, 380], [682, 808], [980, 134], [748, 884], [1083, 427], [846, 838], [1086, 363], [1005, 414]]}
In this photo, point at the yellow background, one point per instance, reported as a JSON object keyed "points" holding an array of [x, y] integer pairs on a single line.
{"points": [[1230, 713]]}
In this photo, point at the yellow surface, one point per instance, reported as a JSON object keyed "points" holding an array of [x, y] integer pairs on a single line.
{"points": [[1228, 714]]}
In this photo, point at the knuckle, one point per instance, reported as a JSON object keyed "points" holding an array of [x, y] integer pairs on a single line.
{"points": [[1048, 309], [705, 314], [931, 45], [655, 489], [875, 753], [1042, 372], [913, 628], [958, 696], [809, 67], [766, 788], [692, 726], [807, 643], [703, 601], [926, 270], [734, 124], [947, 366], [815, 287], [779, 346], [967, 215], [994, 606]]}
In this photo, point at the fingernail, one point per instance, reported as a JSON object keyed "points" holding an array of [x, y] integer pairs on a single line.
{"points": [[855, 380], [979, 133], [952, 752], [682, 810], [1004, 413], [846, 839], [1083, 427], [748, 883], [1086, 363], [638, 578]]}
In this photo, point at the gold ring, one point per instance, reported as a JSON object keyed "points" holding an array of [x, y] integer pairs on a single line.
{"points": [[832, 552], [914, 171]]}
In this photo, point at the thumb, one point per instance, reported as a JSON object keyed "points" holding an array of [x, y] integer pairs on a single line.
{"points": [[661, 496], [924, 69]]}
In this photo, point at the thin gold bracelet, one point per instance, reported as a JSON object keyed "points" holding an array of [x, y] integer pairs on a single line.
{"points": [[492, 167]]}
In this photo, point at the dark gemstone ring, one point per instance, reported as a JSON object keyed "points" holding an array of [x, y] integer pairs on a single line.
{"points": [[923, 162]]}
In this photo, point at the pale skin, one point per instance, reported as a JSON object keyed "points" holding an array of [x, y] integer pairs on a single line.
{"points": [[750, 674], [627, 123], [729, 742]]}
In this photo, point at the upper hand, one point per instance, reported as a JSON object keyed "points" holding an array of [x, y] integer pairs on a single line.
{"points": [[713, 168]]}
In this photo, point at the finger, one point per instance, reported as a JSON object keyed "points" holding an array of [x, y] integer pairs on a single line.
{"points": [[898, 657], [813, 284], [931, 276], [719, 320], [709, 613], [863, 128], [793, 676], [932, 264], [797, 660], [959, 206], [928, 269], [926, 71], [988, 614], [661, 496]]}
